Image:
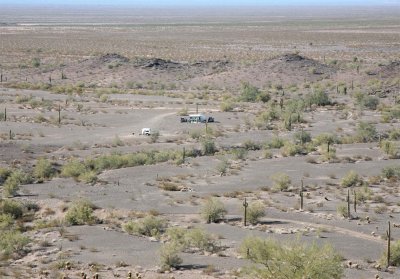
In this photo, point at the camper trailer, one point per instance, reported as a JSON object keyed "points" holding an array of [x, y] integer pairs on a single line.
{"points": [[197, 118]]}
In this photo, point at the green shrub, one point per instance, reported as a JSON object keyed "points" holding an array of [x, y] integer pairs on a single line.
{"points": [[213, 210], [169, 256], [251, 145], [394, 255], [239, 153], [148, 226], [12, 208], [249, 93], [276, 142], [325, 138], [227, 106], [318, 98], [43, 169], [80, 213], [394, 134], [389, 148], [12, 184], [74, 168], [208, 147], [6, 221], [281, 181], [391, 172], [342, 210], [255, 211], [35, 62], [294, 260], [223, 166], [11, 242], [4, 174], [290, 149], [302, 137], [192, 239], [89, 177], [365, 132], [350, 179]]}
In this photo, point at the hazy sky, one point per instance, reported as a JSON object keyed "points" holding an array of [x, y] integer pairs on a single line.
{"points": [[200, 2]]}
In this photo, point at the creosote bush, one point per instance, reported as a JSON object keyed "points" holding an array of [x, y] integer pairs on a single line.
{"points": [[80, 213], [391, 172], [14, 180], [169, 256], [148, 226], [294, 260], [281, 181], [350, 179], [255, 211], [213, 210], [43, 169], [208, 147]]}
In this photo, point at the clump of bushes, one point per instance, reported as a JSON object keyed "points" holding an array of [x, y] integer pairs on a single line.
{"points": [[185, 240], [208, 147], [43, 169], [294, 260], [255, 211], [350, 179], [391, 172], [14, 180], [148, 226], [213, 210], [80, 213], [281, 181]]}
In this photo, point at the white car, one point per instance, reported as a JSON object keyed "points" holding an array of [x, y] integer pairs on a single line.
{"points": [[146, 131]]}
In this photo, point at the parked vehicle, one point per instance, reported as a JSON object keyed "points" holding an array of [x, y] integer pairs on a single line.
{"points": [[197, 118], [146, 131]]}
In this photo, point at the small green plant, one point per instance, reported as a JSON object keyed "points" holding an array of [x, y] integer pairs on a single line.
{"points": [[12, 241], [342, 210], [43, 169], [281, 181], [223, 166], [255, 211], [208, 147], [12, 208], [390, 149], [12, 184], [148, 226], [213, 210], [80, 213], [350, 179], [366, 132], [391, 172], [169, 256]]}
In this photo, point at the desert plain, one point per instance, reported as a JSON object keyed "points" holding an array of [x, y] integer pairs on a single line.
{"points": [[305, 137]]}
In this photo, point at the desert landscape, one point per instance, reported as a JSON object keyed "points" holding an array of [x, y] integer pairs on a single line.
{"points": [[294, 173]]}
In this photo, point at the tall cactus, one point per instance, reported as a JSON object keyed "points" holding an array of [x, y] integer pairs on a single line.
{"points": [[245, 205]]}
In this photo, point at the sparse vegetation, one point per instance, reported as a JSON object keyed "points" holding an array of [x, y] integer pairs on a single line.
{"points": [[213, 210], [80, 213], [294, 260]]}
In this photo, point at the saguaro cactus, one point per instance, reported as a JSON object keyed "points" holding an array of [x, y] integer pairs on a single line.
{"points": [[59, 114], [389, 235], [245, 205], [183, 155], [301, 195], [348, 203]]}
